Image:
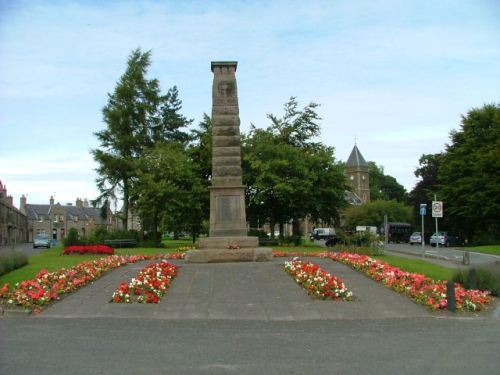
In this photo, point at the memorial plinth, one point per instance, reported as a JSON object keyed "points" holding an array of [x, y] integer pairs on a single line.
{"points": [[228, 240]]}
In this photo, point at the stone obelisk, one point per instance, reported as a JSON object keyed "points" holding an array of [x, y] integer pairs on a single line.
{"points": [[228, 240]]}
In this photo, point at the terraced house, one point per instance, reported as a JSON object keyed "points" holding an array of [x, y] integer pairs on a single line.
{"points": [[55, 219], [13, 222]]}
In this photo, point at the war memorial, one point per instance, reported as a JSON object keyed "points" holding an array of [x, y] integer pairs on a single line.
{"points": [[228, 240]]}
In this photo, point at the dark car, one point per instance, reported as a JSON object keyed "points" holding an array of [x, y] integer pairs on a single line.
{"points": [[41, 241], [446, 239]]}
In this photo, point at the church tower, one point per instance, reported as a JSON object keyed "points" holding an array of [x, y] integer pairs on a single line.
{"points": [[358, 176]]}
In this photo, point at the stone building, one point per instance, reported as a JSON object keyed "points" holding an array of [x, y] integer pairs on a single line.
{"points": [[13, 222], [358, 175], [55, 219]]}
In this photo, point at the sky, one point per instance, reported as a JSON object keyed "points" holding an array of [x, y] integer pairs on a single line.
{"points": [[393, 76]]}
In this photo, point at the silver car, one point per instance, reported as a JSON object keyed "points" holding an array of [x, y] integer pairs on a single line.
{"points": [[416, 237], [41, 241]]}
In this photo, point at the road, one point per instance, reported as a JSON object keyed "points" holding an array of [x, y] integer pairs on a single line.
{"points": [[26, 248], [451, 254], [151, 346]]}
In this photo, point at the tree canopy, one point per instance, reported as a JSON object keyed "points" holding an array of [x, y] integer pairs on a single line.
{"points": [[469, 176], [137, 118], [373, 213], [384, 187], [288, 175]]}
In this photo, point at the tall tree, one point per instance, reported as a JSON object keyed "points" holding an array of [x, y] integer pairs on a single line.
{"points": [[129, 114], [469, 176], [289, 176], [171, 190], [383, 186], [426, 187], [169, 124], [373, 213]]}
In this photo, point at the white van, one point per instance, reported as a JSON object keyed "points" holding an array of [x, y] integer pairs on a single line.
{"points": [[322, 234]]}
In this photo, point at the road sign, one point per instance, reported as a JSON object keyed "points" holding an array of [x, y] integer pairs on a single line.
{"points": [[423, 209], [437, 209]]}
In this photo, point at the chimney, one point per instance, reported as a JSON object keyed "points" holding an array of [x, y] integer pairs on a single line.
{"points": [[22, 204], [79, 203], [10, 201], [51, 200], [85, 203]]}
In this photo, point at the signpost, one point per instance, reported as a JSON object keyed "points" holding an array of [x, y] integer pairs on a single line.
{"points": [[437, 211], [423, 212]]}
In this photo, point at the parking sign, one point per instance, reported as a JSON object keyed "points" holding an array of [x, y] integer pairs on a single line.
{"points": [[423, 209], [437, 209]]}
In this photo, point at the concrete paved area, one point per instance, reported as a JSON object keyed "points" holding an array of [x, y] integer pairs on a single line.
{"points": [[247, 318], [108, 346], [239, 291]]}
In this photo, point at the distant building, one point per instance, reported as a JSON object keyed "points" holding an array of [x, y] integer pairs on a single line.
{"points": [[358, 176], [13, 222], [55, 219]]}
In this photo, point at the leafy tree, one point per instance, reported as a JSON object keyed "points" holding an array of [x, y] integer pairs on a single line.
{"points": [[424, 190], [383, 186], [296, 127], [168, 126], [201, 147], [469, 176], [129, 115], [171, 190], [288, 175], [373, 213], [138, 118]]}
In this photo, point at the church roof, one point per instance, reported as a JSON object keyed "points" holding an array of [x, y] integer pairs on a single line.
{"points": [[356, 159]]}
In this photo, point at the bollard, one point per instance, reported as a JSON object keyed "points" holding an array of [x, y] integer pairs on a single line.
{"points": [[472, 278], [466, 258], [450, 296]]}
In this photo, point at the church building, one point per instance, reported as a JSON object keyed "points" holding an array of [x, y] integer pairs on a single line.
{"points": [[358, 175]]}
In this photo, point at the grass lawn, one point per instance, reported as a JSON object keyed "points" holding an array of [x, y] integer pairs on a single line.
{"points": [[431, 270], [51, 259], [490, 249]]}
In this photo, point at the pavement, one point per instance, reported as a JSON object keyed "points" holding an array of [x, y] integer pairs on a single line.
{"points": [[247, 318], [239, 291], [26, 248]]}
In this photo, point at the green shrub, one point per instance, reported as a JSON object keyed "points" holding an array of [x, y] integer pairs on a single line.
{"points": [[487, 278], [291, 240], [364, 250], [11, 261], [72, 239], [257, 233], [151, 244]]}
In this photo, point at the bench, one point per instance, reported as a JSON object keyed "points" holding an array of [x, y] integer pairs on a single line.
{"points": [[121, 243]]}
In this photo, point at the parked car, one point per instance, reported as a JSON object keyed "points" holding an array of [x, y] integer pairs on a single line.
{"points": [[446, 239], [416, 237], [41, 241]]}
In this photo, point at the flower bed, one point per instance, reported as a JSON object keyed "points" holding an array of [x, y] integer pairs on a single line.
{"points": [[312, 254], [317, 282], [47, 286], [419, 287], [92, 249], [149, 286]]}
